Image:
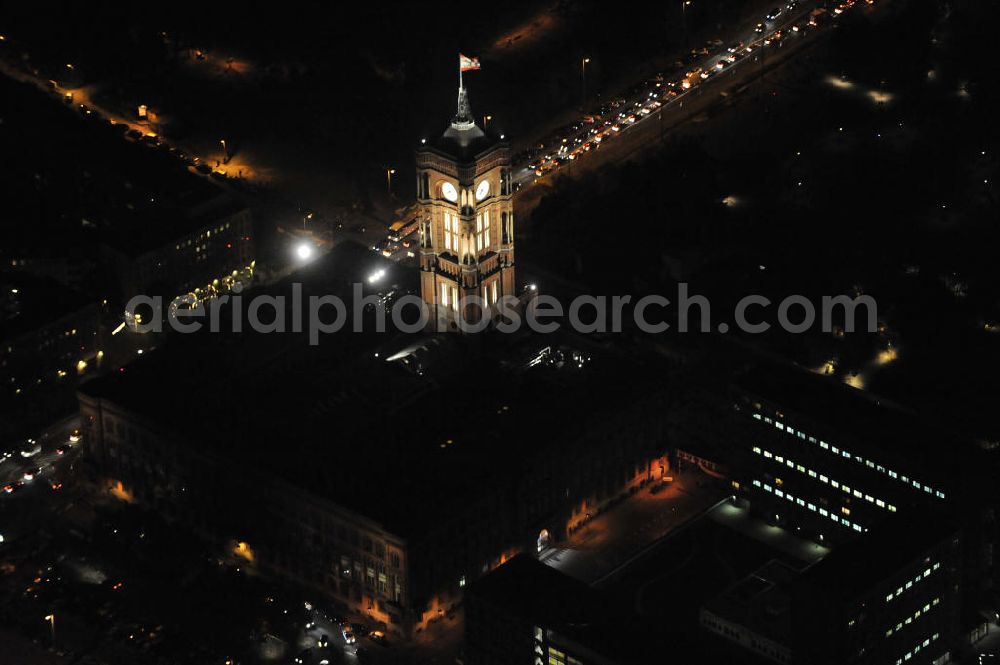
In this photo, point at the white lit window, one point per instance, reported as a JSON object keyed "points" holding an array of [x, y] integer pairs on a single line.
{"points": [[444, 294], [454, 298], [493, 289]]}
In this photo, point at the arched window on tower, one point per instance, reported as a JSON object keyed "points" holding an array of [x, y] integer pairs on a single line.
{"points": [[503, 227]]}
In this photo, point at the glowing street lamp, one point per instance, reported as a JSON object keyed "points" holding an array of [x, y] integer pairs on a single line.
{"points": [[51, 618], [583, 80], [684, 6], [304, 251], [388, 179]]}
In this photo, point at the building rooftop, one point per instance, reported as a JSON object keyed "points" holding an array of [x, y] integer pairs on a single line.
{"points": [[860, 421], [74, 181], [443, 418], [28, 303], [863, 563], [760, 601], [464, 140]]}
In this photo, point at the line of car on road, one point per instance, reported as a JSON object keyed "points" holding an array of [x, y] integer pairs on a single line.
{"points": [[350, 632], [577, 138], [30, 449]]}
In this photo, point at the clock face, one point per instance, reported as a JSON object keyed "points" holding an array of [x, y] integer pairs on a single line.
{"points": [[449, 192], [482, 190]]}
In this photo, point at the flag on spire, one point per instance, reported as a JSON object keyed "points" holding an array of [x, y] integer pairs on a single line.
{"points": [[466, 64]]}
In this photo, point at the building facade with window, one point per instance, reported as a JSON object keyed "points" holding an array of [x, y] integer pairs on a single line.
{"points": [[385, 473], [465, 204]]}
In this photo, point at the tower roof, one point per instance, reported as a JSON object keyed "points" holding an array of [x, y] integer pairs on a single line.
{"points": [[463, 139]]}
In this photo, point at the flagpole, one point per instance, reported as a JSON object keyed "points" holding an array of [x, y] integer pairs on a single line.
{"points": [[459, 72]]}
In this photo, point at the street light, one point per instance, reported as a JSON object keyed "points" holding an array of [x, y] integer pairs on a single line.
{"points": [[51, 618], [304, 251], [388, 179], [684, 6], [225, 151], [583, 80], [486, 120]]}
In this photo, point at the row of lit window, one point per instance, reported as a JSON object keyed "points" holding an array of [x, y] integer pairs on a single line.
{"points": [[811, 506], [906, 587], [916, 615], [825, 479], [557, 657], [843, 453], [202, 236], [916, 649]]}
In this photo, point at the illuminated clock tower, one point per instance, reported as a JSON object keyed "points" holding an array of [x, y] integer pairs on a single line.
{"points": [[467, 220]]}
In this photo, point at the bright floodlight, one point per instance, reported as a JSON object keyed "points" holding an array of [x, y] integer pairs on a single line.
{"points": [[376, 276], [304, 251]]}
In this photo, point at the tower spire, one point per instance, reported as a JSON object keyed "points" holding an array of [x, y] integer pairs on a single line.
{"points": [[463, 116]]}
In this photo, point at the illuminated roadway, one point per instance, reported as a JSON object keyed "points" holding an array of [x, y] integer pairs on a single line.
{"points": [[671, 92]]}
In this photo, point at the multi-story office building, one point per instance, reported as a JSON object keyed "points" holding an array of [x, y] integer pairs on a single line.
{"points": [[832, 463], [891, 596], [190, 237], [526, 612]]}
